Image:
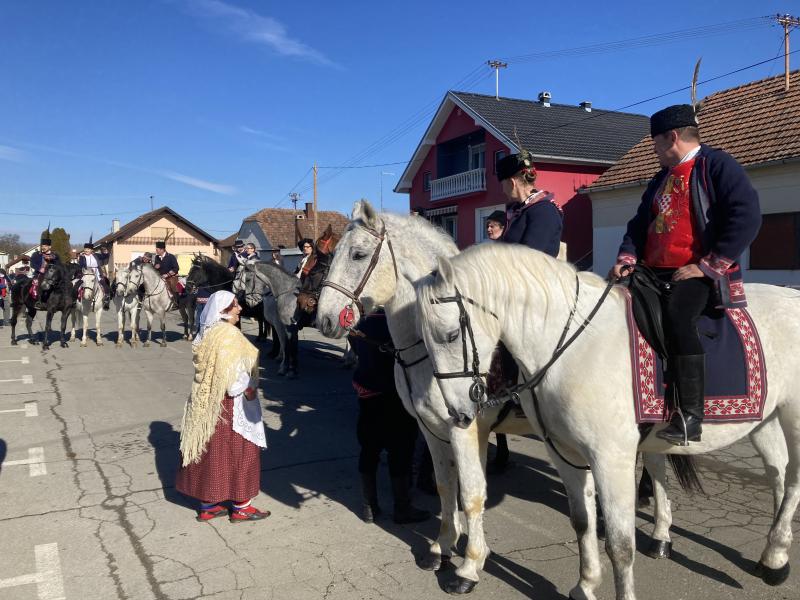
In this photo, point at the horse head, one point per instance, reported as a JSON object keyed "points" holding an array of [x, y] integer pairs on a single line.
{"points": [[460, 333], [327, 242], [362, 273], [53, 276], [120, 281]]}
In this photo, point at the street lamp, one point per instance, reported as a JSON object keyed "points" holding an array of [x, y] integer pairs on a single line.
{"points": [[380, 178]]}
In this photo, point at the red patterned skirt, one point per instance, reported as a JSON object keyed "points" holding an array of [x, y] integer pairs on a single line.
{"points": [[230, 468]]}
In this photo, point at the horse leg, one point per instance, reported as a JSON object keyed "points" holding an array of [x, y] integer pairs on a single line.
{"points": [[48, 323], [64, 318], [13, 322], [149, 336], [164, 329], [84, 337], [98, 316], [469, 448], [121, 324], [135, 316], [660, 543], [28, 325], [444, 467], [581, 495], [770, 443], [615, 477], [773, 567]]}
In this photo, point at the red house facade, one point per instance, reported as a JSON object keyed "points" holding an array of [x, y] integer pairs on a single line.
{"points": [[452, 181]]}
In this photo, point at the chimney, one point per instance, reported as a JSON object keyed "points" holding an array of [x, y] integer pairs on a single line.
{"points": [[586, 105], [544, 98], [114, 225], [309, 210]]}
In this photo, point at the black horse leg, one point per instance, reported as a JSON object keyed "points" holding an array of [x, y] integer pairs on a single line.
{"points": [[64, 318], [14, 314], [28, 324], [292, 350], [48, 322]]}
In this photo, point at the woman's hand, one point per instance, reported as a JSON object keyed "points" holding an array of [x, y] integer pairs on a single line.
{"points": [[687, 272]]}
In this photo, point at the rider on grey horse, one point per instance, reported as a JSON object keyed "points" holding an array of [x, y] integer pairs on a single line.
{"points": [[90, 260], [697, 216]]}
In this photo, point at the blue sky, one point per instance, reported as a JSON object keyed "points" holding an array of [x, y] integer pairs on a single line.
{"points": [[218, 108]]}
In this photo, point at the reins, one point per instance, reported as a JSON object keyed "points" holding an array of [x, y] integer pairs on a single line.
{"points": [[477, 390]]}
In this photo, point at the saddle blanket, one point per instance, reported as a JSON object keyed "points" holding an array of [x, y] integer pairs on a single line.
{"points": [[736, 376]]}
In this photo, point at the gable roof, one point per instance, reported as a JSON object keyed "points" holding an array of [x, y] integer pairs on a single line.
{"points": [[144, 220], [558, 133], [755, 123], [278, 224]]}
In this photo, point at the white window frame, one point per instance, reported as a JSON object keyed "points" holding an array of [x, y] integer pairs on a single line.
{"points": [[448, 221], [480, 221], [477, 152]]}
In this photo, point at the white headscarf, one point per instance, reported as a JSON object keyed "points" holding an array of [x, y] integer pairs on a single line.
{"points": [[212, 313]]}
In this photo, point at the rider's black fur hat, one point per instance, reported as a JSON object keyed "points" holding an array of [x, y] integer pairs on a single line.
{"points": [[305, 241], [512, 164], [88, 245], [498, 216], [238, 244], [162, 245], [46, 241], [672, 117]]}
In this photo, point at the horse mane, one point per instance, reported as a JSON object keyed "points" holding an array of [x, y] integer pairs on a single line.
{"points": [[497, 274], [278, 276]]}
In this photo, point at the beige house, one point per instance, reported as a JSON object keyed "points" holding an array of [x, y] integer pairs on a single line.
{"points": [[758, 124], [183, 238]]}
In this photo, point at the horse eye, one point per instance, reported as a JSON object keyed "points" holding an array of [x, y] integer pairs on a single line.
{"points": [[453, 336], [357, 255]]}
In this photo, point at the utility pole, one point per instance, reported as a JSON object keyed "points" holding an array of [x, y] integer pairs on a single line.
{"points": [[496, 65], [294, 196], [788, 21], [151, 203], [315, 202]]}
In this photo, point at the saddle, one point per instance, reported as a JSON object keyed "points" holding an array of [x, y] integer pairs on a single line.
{"points": [[647, 294]]}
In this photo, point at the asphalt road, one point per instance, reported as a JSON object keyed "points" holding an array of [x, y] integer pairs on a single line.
{"points": [[88, 452]]}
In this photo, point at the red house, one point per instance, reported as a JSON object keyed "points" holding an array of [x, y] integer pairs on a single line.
{"points": [[451, 178]]}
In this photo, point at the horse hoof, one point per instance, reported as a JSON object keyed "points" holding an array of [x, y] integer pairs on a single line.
{"points": [[14, 343], [100, 344], [431, 562], [33, 342], [460, 585], [659, 549], [163, 344], [64, 345], [772, 576], [46, 347], [146, 344]]}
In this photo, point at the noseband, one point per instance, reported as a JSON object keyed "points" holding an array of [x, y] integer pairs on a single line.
{"points": [[354, 295], [478, 388]]}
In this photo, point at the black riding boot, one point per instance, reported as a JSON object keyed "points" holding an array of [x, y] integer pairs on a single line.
{"points": [[404, 511], [369, 493], [689, 381]]}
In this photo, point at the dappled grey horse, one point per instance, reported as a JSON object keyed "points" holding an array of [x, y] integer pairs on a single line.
{"points": [[156, 301], [278, 290], [126, 302]]}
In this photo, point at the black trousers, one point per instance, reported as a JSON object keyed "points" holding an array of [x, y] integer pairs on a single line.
{"points": [[683, 306], [383, 424]]}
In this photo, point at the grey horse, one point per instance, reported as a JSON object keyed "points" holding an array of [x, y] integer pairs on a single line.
{"points": [[264, 281]]}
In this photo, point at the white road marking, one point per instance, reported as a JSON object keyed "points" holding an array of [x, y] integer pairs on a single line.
{"points": [[31, 410], [35, 462], [26, 379], [24, 360], [48, 579]]}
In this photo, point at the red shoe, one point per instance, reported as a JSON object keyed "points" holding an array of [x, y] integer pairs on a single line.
{"points": [[211, 513], [250, 513]]}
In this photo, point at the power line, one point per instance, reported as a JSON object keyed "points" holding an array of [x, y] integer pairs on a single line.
{"points": [[400, 162], [648, 40]]}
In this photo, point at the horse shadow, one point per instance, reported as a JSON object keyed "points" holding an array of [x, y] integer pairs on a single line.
{"points": [[166, 443], [3, 451]]}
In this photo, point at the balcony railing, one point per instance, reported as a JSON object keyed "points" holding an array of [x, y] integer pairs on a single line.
{"points": [[458, 184]]}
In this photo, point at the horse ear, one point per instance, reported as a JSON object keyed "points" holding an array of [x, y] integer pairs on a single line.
{"points": [[363, 210], [445, 269], [328, 232]]}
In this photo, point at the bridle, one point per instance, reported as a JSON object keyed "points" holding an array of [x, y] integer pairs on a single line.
{"points": [[477, 390], [381, 236], [258, 276]]}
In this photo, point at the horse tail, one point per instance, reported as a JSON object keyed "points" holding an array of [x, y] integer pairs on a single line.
{"points": [[686, 473]]}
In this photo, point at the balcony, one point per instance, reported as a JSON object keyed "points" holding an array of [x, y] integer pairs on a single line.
{"points": [[458, 184]]}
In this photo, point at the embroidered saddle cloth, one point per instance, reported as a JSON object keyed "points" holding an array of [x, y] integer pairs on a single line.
{"points": [[736, 376]]}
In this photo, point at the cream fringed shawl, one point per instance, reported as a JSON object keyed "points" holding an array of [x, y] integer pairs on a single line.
{"points": [[217, 361]]}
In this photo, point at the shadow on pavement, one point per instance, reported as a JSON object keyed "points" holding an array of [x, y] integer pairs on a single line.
{"points": [[165, 442], [3, 451]]}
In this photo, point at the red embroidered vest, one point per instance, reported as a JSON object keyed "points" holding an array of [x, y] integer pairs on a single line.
{"points": [[672, 240]]}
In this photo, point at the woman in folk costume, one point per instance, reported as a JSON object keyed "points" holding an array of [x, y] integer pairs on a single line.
{"points": [[222, 431], [533, 217]]}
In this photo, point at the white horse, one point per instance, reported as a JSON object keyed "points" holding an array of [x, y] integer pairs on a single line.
{"points": [[278, 290], [126, 302], [91, 301], [156, 301], [406, 249], [524, 298]]}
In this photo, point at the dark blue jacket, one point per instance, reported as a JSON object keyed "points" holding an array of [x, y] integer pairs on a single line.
{"points": [[374, 374], [165, 264], [233, 261], [538, 226], [38, 260], [726, 212]]}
